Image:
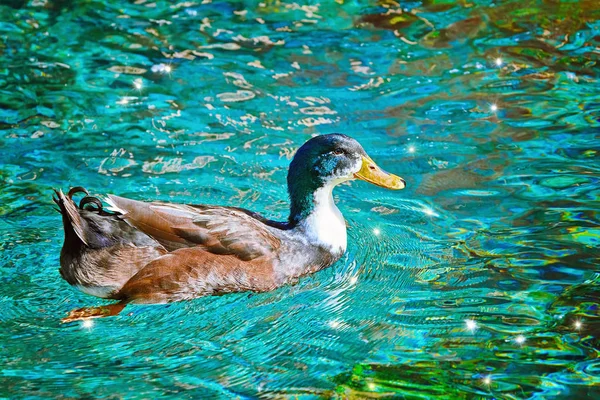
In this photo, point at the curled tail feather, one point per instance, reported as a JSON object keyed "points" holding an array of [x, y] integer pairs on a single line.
{"points": [[72, 221]]}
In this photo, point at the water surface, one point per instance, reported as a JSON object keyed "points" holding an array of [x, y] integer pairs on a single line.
{"points": [[489, 110]]}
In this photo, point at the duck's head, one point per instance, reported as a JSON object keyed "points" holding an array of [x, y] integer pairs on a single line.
{"points": [[328, 160]]}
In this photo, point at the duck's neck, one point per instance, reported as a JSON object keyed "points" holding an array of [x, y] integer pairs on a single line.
{"points": [[316, 216]]}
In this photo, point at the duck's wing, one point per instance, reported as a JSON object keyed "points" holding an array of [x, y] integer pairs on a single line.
{"points": [[219, 230]]}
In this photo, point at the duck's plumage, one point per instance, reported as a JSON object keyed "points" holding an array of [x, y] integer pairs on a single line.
{"points": [[218, 230], [101, 252], [158, 252]]}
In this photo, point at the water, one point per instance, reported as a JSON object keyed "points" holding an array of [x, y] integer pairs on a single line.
{"points": [[490, 111]]}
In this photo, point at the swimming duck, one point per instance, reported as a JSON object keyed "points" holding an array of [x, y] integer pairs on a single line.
{"points": [[157, 252]]}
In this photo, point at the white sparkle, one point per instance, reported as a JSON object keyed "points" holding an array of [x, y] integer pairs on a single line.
{"points": [[371, 386], [429, 211], [411, 149], [123, 101], [162, 68], [88, 323], [494, 107], [498, 61], [578, 325], [334, 324], [138, 84], [471, 325], [487, 380], [376, 232], [520, 339]]}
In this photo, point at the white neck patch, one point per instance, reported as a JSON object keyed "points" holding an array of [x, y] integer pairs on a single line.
{"points": [[325, 226]]}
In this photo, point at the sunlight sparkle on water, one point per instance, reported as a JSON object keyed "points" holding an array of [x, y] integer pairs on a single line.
{"points": [[487, 380], [334, 324], [578, 325], [88, 323], [498, 61], [520, 339], [138, 83], [376, 232], [411, 149], [471, 325], [162, 68], [494, 107], [429, 212]]}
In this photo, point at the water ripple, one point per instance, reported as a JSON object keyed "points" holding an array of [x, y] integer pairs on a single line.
{"points": [[479, 279]]}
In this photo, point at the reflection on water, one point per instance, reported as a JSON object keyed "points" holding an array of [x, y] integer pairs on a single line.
{"points": [[480, 279]]}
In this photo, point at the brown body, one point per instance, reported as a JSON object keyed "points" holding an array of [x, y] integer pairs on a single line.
{"points": [[160, 252], [193, 272]]}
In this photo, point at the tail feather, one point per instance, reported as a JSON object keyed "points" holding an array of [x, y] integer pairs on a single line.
{"points": [[72, 221]]}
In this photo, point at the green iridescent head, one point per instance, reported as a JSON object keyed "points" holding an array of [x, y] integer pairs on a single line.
{"points": [[325, 161]]}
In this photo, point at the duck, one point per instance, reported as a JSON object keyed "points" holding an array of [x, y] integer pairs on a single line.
{"points": [[138, 252]]}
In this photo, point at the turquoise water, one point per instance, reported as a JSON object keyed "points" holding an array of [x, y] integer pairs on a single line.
{"points": [[481, 279]]}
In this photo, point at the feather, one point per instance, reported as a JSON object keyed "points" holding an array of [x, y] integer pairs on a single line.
{"points": [[219, 230], [71, 219], [192, 272]]}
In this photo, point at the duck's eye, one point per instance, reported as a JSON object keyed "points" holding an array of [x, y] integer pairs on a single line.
{"points": [[338, 152]]}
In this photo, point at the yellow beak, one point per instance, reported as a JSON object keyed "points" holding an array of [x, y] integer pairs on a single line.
{"points": [[370, 172]]}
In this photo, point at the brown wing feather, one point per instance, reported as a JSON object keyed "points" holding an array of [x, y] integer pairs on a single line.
{"points": [[219, 230], [193, 272]]}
